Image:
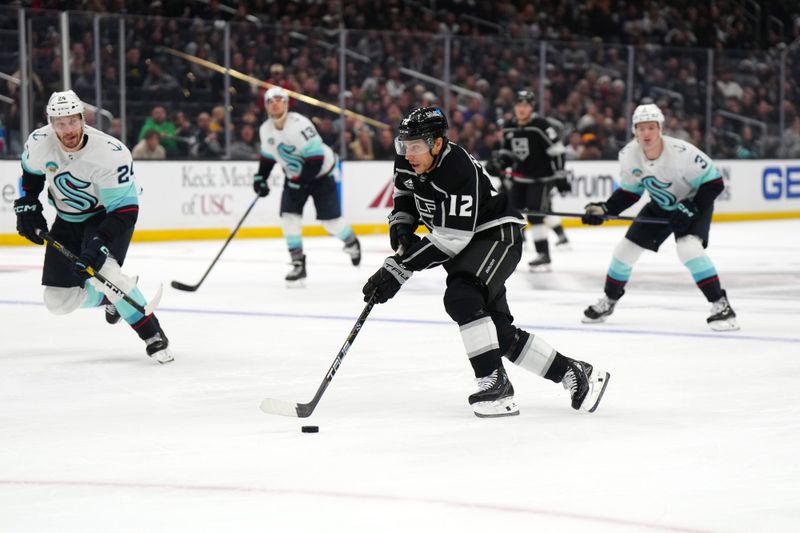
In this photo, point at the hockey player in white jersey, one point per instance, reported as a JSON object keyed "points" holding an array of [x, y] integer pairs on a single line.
{"points": [[683, 183], [292, 141], [90, 182]]}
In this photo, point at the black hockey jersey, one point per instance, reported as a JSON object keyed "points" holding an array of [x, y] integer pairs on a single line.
{"points": [[537, 148], [455, 201]]}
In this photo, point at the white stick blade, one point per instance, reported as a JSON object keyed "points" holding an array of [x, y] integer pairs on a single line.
{"points": [[151, 306], [278, 407]]}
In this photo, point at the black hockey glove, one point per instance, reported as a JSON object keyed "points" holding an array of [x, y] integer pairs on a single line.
{"points": [[562, 183], [385, 283], [595, 213], [93, 256], [401, 230], [683, 216], [260, 185], [30, 218]]}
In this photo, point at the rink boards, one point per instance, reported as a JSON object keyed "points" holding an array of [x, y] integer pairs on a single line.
{"points": [[204, 200]]}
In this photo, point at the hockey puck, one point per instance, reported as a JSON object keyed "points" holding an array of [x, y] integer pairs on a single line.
{"points": [[310, 429]]}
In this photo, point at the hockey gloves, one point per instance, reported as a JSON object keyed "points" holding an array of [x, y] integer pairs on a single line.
{"points": [[562, 183], [401, 230], [30, 218], [260, 185], [683, 216], [385, 283], [595, 213], [93, 256]]}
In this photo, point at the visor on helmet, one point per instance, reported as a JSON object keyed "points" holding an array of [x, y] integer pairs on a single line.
{"points": [[413, 146]]}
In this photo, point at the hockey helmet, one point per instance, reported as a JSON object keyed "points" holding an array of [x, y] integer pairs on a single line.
{"points": [[526, 95], [427, 123], [647, 113], [64, 104], [275, 92]]}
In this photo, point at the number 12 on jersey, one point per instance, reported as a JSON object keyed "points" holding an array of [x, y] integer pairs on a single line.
{"points": [[460, 205]]}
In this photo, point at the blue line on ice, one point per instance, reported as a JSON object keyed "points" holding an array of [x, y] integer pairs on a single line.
{"points": [[529, 327]]}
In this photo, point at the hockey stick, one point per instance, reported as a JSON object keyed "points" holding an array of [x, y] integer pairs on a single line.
{"points": [[645, 220], [146, 310], [191, 288], [304, 410]]}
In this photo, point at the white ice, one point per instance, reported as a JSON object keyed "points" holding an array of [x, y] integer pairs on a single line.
{"points": [[698, 431]]}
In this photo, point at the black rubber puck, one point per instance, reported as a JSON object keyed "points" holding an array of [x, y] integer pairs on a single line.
{"points": [[310, 429]]}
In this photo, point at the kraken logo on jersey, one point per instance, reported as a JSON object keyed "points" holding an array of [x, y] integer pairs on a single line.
{"points": [[294, 162], [658, 192], [520, 147], [71, 187]]}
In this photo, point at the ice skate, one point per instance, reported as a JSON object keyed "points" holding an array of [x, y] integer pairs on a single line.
{"points": [[354, 251], [585, 384], [563, 243], [296, 277], [722, 316], [495, 396], [600, 311], [158, 348], [112, 315], [541, 263]]}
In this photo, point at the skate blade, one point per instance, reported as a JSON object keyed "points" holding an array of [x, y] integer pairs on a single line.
{"points": [[564, 246], [163, 357], [603, 380], [587, 320], [504, 407], [296, 284], [539, 269], [729, 324]]}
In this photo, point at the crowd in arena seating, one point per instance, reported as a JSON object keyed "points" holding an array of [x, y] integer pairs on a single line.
{"points": [[396, 57]]}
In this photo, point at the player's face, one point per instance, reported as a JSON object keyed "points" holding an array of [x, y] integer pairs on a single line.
{"points": [[69, 131], [648, 134], [276, 107], [417, 153], [523, 111]]}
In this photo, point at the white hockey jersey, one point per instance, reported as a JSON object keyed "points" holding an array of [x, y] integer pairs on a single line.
{"points": [[98, 177], [676, 175], [295, 144]]}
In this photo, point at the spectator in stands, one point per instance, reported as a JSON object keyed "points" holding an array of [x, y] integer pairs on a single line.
{"points": [[166, 130], [205, 144], [790, 140], [136, 70], [160, 84], [361, 148], [245, 147], [115, 130], [384, 148], [574, 147], [149, 147]]}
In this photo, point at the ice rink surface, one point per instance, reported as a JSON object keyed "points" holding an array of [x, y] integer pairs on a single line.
{"points": [[698, 430]]}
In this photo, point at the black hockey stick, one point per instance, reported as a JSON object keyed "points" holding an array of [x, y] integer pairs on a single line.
{"points": [[191, 288], [304, 410], [645, 220], [146, 310]]}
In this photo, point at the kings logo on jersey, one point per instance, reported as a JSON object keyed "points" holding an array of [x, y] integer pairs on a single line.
{"points": [[520, 147]]}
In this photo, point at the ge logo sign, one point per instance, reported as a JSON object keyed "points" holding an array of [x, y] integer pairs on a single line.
{"points": [[777, 183]]}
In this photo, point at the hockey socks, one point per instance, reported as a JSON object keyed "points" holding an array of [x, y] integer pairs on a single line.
{"points": [[705, 276]]}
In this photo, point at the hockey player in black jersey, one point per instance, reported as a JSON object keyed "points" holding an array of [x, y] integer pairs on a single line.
{"points": [[533, 150], [477, 237]]}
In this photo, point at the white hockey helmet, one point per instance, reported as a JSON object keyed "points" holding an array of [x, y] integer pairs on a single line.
{"points": [[64, 104], [647, 113], [275, 92]]}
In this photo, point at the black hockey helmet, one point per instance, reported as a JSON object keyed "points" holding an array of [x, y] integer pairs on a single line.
{"points": [[526, 95], [426, 123]]}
